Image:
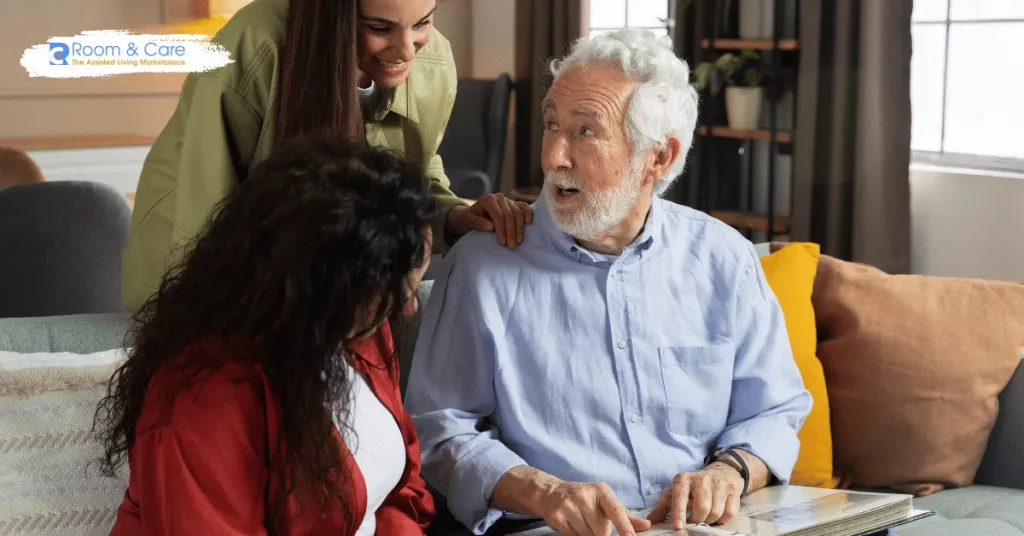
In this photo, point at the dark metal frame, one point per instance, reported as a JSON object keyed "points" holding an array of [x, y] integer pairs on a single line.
{"points": [[702, 184]]}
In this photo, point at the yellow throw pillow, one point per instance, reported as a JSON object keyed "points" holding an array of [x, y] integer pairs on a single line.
{"points": [[790, 272]]}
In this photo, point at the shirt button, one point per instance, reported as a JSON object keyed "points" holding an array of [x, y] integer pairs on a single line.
{"points": [[633, 417], [651, 490], [612, 273], [622, 345]]}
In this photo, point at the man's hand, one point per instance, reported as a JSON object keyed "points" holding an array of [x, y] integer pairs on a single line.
{"points": [[589, 509], [712, 494], [567, 507], [492, 212]]}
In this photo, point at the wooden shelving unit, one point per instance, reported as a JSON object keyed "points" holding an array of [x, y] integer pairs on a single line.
{"points": [[750, 44], [781, 136], [527, 195], [757, 222], [97, 141], [731, 178]]}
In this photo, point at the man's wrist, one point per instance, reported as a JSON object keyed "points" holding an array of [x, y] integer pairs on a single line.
{"points": [[732, 459], [522, 490]]}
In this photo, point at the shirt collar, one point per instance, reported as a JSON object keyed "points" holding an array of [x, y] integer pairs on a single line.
{"points": [[566, 244], [402, 103]]}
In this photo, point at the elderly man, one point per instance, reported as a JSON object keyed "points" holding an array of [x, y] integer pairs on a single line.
{"points": [[629, 355]]}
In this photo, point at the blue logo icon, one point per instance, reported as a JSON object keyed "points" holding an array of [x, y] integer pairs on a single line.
{"points": [[58, 54]]}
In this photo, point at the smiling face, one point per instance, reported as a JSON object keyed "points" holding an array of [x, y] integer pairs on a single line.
{"points": [[391, 33], [591, 180]]}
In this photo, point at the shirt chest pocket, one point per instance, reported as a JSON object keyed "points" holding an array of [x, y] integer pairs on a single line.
{"points": [[698, 387]]}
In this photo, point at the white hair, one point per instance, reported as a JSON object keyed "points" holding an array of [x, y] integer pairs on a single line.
{"points": [[663, 104]]}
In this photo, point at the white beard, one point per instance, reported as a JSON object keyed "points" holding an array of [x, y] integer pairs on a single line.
{"points": [[588, 214]]}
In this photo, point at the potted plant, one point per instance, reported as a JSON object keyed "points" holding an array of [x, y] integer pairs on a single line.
{"points": [[744, 76]]}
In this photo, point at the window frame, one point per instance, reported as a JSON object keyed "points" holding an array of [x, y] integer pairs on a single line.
{"points": [[668, 26], [943, 158]]}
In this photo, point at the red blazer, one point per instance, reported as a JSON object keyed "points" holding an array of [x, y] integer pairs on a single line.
{"points": [[205, 469]]}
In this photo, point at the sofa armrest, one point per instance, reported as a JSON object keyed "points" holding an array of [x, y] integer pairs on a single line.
{"points": [[1003, 463]]}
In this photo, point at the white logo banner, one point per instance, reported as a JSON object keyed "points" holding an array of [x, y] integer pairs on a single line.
{"points": [[113, 52]]}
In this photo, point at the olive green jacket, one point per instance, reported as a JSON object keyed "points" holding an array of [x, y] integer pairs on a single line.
{"points": [[224, 124]]}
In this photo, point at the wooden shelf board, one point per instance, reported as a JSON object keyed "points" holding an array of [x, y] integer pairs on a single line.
{"points": [[781, 136], [528, 195], [752, 44], [78, 142], [757, 222]]}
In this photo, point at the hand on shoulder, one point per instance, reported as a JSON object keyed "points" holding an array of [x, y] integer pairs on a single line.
{"points": [[492, 213]]}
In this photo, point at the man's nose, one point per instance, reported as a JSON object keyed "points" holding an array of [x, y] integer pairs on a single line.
{"points": [[555, 152]]}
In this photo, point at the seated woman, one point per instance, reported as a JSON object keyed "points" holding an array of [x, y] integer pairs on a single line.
{"points": [[261, 392]]}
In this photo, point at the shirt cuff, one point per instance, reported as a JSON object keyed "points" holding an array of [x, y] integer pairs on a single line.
{"points": [[472, 484], [771, 439]]}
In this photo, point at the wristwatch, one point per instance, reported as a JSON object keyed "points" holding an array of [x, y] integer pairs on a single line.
{"points": [[730, 457]]}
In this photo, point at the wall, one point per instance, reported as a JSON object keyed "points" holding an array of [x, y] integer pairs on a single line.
{"points": [[482, 34], [480, 31], [454, 19], [967, 224], [136, 104], [39, 107], [494, 37]]}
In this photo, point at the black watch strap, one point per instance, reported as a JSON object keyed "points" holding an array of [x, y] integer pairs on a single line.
{"points": [[733, 459]]}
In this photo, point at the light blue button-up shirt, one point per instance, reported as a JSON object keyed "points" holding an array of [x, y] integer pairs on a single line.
{"points": [[625, 370]]}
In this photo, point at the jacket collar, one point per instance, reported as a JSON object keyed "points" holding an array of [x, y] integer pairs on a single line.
{"points": [[401, 103]]}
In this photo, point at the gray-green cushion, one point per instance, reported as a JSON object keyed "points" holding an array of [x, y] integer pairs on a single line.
{"points": [[79, 334], [970, 511]]}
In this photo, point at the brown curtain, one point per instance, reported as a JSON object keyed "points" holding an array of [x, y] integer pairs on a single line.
{"points": [[851, 189], [544, 30]]}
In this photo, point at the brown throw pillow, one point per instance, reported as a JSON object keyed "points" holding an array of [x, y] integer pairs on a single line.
{"points": [[914, 365]]}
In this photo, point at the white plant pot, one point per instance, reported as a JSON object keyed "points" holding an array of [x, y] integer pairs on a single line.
{"points": [[743, 106], [757, 19]]}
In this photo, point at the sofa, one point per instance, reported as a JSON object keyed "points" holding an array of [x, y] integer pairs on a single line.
{"points": [[48, 484]]}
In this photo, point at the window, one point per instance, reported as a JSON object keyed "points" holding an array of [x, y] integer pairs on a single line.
{"points": [[965, 80], [607, 15]]}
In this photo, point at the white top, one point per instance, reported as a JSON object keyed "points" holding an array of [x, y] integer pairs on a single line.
{"points": [[366, 94], [378, 446]]}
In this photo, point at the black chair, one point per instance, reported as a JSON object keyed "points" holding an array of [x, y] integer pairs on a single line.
{"points": [[473, 148], [60, 249]]}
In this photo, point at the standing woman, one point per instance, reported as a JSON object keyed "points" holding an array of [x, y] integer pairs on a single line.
{"points": [[367, 69]]}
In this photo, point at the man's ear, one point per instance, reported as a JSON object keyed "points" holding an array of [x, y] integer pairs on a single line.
{"points": [[665, 155]]}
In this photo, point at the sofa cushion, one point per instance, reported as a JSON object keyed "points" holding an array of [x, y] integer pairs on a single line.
{"points": [[81, 334], [50, 482], [790, 273], [915, 365], [1003, 463], [974, 510]]}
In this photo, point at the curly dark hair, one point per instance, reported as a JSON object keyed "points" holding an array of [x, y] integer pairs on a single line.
{"points": [[319, 237]]}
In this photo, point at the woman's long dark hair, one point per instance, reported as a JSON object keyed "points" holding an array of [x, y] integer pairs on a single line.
{"points": [[319, 70], [317, 245]]}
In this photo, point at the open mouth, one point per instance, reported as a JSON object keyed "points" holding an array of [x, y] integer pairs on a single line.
{"points": [[395, 66], [567, 192]]}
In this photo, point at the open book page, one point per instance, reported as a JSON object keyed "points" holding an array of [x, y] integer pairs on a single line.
{"points": [[787, 510]]}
